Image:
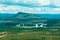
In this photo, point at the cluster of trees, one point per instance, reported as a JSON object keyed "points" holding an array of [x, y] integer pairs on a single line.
{"points": [[53, 22]]}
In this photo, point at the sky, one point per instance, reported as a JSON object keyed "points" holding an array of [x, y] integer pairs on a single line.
{"points": [[30, 6]]}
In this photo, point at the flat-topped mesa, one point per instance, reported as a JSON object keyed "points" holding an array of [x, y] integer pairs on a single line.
{"points": [[21, 15]]}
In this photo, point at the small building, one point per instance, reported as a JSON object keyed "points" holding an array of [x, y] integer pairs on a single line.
{"points": [[40, 25], [36, 25]]}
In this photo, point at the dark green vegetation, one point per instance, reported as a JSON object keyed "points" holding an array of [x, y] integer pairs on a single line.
{"points": [[31, 34], [28, 19], [22, 18], [8, 25]]}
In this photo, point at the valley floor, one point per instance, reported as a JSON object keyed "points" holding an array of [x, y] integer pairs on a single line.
{"points": [[31, 34]]}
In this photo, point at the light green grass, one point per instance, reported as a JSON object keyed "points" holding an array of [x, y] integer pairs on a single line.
{"points": [[32, 35]]}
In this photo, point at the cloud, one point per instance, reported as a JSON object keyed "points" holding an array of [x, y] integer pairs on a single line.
{"points": [[43, 2], [16, 8], [51, 10], [27, 2], [32, 3], [57, 10], [37, 2], [56, 2]]}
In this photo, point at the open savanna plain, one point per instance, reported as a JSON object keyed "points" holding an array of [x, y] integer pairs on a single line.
{"points": [[30, 34]]}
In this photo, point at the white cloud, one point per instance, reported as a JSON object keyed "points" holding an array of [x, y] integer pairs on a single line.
{"points": [[3, 5], [27, 2], [16, 8], [57, 10], [15, 1], [12, 8], [43, 2], [50, 10], [32, 2], [56, 2]]}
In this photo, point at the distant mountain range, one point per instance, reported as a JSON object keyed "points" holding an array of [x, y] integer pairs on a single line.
{"points": [[6, 16], [29, 19], [22, 15]]}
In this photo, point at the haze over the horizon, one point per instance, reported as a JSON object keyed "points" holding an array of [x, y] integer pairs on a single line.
{"points": [[30, 6]]}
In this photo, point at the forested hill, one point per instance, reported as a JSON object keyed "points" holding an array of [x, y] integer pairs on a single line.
{"points": [[22, 15]]}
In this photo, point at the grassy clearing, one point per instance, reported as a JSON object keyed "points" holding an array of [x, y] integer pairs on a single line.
{"points": [[32, 34]]}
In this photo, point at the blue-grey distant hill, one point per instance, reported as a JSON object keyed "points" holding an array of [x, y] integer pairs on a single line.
{"points": [[22, 15], [6, 16], [29, 19]]}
